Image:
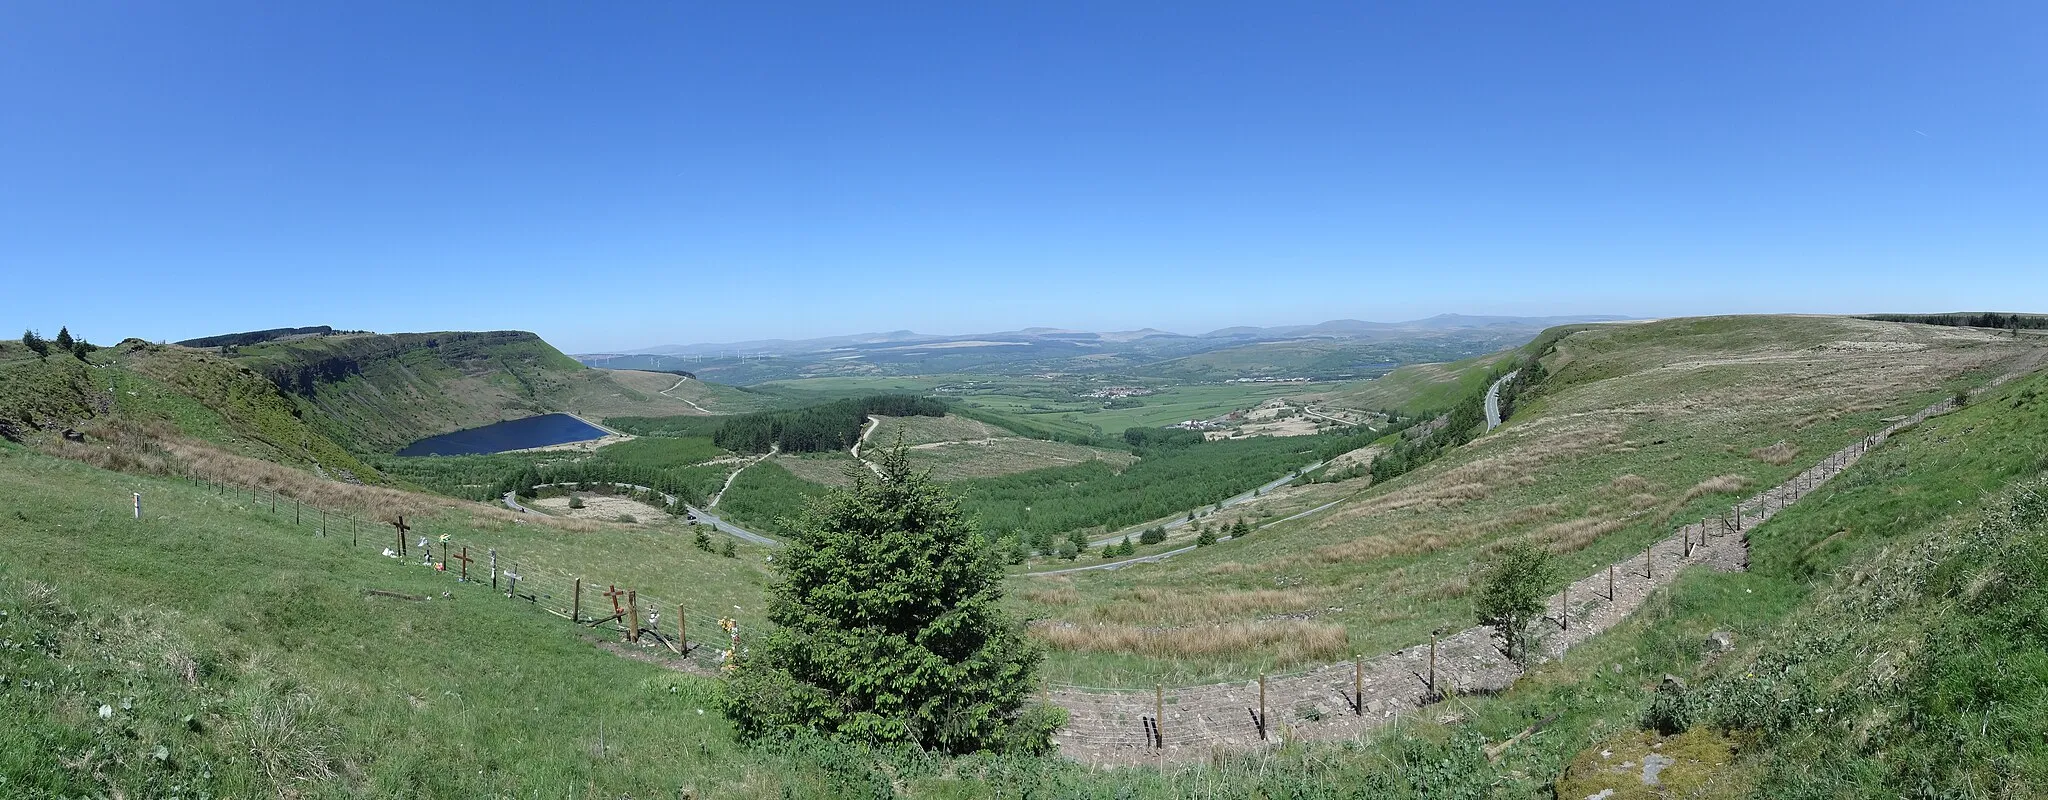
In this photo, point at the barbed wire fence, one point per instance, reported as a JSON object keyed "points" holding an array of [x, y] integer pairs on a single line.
{"points": [[700, 638]]}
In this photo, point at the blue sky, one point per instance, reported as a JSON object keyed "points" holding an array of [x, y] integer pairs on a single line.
{"points": [[616, 175]]}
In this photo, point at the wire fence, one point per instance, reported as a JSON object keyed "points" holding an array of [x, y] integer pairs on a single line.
{"points": [[700, 636]]}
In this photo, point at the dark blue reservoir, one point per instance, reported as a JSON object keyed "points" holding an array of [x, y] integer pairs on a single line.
{"points": [[517, 434]]}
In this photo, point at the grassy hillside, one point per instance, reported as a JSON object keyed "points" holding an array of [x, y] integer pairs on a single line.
{"points": [[1638, 426], [1416, 388], [1886, 640], [165, 391], [379, 392]]}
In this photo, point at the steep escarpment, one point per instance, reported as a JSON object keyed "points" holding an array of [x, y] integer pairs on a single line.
{"points": [[378, 392], [164, 392]]}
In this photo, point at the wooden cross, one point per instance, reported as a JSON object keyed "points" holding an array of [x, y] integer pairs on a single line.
{"points": [[464, 558], [402, 529], [614, 593]]}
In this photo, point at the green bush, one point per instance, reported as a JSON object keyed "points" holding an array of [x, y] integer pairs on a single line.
{"points": [[1512, 594]]}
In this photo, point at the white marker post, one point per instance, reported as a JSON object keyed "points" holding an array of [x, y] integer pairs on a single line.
{"points": [[138, 505]]}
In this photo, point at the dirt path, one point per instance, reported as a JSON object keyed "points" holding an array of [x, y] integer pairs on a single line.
{"points": [[874, 424], [679, 382], [1118, 726], [773, 448]]}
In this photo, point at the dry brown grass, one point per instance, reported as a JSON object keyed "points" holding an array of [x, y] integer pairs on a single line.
{"points": [[1156, 606], [1575, 535], [1290, 641], [1778, 454], [1624, 485], [1719, 484]]}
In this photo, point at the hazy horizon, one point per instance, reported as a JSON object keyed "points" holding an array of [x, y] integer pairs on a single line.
{"points": [[627, 176]]}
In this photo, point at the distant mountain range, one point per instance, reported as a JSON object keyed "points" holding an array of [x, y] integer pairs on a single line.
{"points": [[1333, 329]]}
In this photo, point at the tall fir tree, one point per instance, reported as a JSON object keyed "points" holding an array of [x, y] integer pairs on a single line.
{"points": [[889, 629]]}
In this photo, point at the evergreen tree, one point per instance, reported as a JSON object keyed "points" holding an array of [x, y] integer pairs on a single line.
{"points": [[63, 339], [890, 629], [35, 344], [1204, 538]]}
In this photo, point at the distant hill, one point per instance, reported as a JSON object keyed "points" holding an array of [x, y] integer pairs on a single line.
{"points": [[1335, 349], [1331, 328]]}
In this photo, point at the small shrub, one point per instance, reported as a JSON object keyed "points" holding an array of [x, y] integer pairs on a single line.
{"points": [[1205, 537], [1512, 595], [575, 502], [703, 541], [627, 518], [727, 550], [1152, 535]]}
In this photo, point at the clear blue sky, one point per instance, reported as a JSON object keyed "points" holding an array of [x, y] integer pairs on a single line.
{"points": [[623, 174]]}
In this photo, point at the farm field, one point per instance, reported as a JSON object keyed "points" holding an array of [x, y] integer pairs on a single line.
{"points": [[957, 448], [1637, 428], [1056, 404]]}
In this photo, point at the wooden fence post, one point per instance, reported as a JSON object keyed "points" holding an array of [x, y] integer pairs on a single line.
{"points": [[632, 615], [1357, 685], [323, 523], [1159, 714], [295, 511], [1564, 615], [682, 630], [1432, 662], [576, 607], [1610, 583], [1262, 706], [1649, 562], [138, 506], [494, 569]]}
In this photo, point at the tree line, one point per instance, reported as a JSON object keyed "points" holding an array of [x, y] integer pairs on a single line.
{"points": [[1968, 319], [815, 429]]}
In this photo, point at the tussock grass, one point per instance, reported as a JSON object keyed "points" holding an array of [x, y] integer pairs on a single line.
{"points": [[1289, 641], [1776, 455], [1170, 606], [1719, 484], [1628, 484], [1575, 535]]}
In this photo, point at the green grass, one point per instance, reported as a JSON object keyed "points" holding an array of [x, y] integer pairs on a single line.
{"points": [[297, 670], [663, 453], [765, 497]]}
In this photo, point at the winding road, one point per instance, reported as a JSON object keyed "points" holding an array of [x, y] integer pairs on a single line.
{"points": [[1493, 400]]}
